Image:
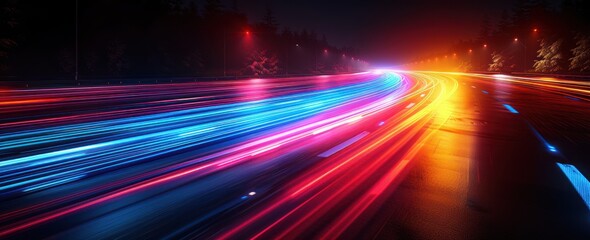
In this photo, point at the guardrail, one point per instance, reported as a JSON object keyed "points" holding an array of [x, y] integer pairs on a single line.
{"points": [[532, 74]]}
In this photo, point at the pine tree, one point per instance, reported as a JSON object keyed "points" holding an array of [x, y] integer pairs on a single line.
{"points": [[498, 61], [193, 62], [259, 63], [550, 55], [192, 10], [465, 66], [66, 60], [581, 54], [174, 6], [324, 41], [212, 9], [269, 21], [503, 24], [116, 59], [9, 23], [485, 31]]}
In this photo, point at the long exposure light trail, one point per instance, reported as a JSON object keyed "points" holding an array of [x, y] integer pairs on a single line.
{"points": [[332, 192], [576, 89], [155, 136], [170, 135]]}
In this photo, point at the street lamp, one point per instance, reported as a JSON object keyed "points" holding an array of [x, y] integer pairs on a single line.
{"points": [[287, 59], [523, 53], [247, 32]]}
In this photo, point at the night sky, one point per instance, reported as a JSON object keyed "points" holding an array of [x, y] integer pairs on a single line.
{"points": [[387, 32]]}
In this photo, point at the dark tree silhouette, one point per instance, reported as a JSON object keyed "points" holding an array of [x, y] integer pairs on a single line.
{"points": [[533, 35], [149, 38]]}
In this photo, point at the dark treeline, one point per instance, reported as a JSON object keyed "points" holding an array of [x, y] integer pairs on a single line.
{"points": [[533, 36], [156, 38]]}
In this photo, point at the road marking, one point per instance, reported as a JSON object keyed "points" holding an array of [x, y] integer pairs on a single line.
{"points": [[577, 179], [410, 105], [484, 91], [550, 147], [473, 86], [422, 95], [510, 108], [343, 145]]}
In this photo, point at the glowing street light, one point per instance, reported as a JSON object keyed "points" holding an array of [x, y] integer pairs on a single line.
{"points": [[287, 59], [247, 33], [535, 30], [470, 50], [485, 45], [523, 53]]}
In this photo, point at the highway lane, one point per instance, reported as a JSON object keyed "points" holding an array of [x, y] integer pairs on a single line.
{"points": [[493, 170], [290, 158], [54, 172]]}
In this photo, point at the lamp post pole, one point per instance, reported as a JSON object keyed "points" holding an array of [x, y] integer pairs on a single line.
{"points": [[76, 50], [224, 51], [524, 62], [523, 54]]}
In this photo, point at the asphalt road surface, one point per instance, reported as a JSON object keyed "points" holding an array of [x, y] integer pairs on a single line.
{"points": [[375, 155]]}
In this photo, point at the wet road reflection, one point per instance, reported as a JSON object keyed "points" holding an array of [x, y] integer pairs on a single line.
{"points": [[390, 154]]}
